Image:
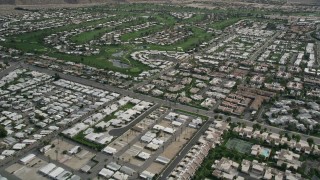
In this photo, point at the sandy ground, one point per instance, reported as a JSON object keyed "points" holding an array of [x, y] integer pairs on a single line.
{"points": [[118, 145], [30, 170], [155, 168], [172, 150], [129, 155], [75, 161], [137, 162], [145, 123], [165, 123], [128, 136]]}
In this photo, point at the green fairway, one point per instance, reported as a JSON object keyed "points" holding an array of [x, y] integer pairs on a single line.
{"points": [[199, 36], [33, 42], [98, 32], [88, 36], [220, 25], [101, 61], [141, 33]]}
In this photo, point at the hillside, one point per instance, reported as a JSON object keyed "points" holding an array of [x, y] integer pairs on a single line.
{"points": [[43, 2]]}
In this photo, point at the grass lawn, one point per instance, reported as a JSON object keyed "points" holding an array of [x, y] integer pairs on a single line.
{"points": [[80, 139], [220, 25], [195, 18], [192, 114], [33, 41], [85, 37], [33, 47], [101, 61], [168, 20], [125, 107], [199, 35], [141, 33]]}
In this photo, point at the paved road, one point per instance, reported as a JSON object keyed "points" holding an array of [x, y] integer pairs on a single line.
{"points": [[185, 150], [120, 131], [255, 55], [317, 52], [13, 66]]}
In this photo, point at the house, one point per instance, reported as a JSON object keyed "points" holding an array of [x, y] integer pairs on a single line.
{"points": [[257, 169], [74, 150], [245, 166], [143, 155], [226, 168], [27, 159], [146, 175], [109, 150], [288, 157], [107, 173]]}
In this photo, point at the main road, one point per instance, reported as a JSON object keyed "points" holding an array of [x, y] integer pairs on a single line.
{"points": [[13, 66]]}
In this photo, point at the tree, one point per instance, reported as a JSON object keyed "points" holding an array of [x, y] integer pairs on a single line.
{"points": [[40, 117], [310, 141], [3, 132], [283, 166], [256, 126], [229, 119], [295, 112], [56, 76], [291, 168], [297, 137], [271, 26], [98, 129], [6, 62]]}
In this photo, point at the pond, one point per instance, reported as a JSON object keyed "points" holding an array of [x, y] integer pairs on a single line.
{"points": [[118, 63], [118, 54]]}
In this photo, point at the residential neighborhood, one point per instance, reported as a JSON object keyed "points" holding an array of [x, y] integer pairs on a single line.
{"points": [[160, 90]]}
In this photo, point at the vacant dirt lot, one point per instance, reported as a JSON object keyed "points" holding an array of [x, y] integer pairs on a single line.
{"points": [[30, 170], [73, 161], [172, 150]]}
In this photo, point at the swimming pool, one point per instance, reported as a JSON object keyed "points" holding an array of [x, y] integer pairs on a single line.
{"points": [[265, 152]]}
